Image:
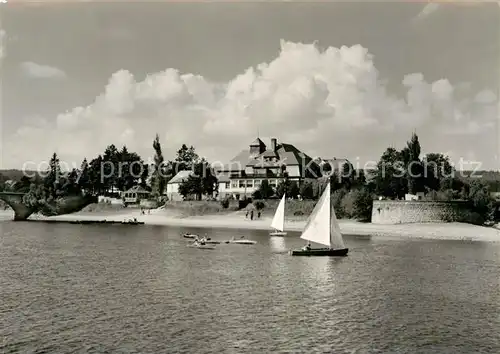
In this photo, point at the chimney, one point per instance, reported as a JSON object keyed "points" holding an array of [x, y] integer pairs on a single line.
{"points": [[273, 144]]}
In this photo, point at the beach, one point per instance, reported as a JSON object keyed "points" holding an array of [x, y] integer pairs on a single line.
{"points": [[237, 220]]}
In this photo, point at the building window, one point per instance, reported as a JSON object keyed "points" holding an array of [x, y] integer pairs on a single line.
{"points": [[227, 185], [272, 182], [234, 184], [242, 184], [257, 182], [250, 183]]}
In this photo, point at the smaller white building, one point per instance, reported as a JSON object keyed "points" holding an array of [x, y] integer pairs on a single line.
{"points": [[135, 194], [173, 185]]}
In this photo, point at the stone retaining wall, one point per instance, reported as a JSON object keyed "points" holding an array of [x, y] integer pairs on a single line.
{"points": [[399, 212]]}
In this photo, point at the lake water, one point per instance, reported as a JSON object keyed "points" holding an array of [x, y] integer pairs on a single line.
{"points": [[117, 289]]}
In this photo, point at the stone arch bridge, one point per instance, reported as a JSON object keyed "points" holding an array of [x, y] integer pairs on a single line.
{"points": [[60, 206]]}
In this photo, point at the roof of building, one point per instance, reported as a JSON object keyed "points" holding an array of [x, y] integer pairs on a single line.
{"points": [[180, 177], [257, 142], [223, 178], [137, 189], [285, 154]]}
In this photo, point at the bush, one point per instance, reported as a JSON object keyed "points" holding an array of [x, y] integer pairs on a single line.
{"points": [[225, 203], [363, 204], [347, 204], [257, 194], [337, 198], [242, 203], [259, 204], [306, 190], [482, 202]]}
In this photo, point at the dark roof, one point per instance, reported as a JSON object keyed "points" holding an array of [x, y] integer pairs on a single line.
{"points": [[180, 177], [257, 142], [137, 189]]}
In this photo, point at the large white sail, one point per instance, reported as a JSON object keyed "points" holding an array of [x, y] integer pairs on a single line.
{"points": [[318, 226], [278, 222]]}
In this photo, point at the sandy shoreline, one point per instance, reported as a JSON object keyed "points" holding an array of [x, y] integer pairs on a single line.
{"points": [[439, 231]]}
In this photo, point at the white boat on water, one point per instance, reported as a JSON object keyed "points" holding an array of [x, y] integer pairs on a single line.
{"points": [[202, 245], [241, 241], [323, 228], [191, 236], [278, 223]]}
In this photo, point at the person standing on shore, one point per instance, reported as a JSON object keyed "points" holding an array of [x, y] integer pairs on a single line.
{"points": [[251, 215]]}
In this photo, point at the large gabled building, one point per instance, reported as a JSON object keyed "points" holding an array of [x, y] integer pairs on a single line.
{"points": [[246, 171]]}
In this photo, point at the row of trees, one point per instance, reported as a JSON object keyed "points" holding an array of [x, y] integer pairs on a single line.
{"points": [[398, 172], [119, 170]]}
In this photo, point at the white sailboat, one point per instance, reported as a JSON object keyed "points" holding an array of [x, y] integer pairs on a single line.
{"points": [[278, 223], [323, 228]]}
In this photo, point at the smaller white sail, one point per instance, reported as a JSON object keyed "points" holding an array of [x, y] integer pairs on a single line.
{"points": [[278, 222]]}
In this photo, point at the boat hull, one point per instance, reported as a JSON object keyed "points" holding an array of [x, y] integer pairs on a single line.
{"points": [[212, 242], [203, 247], [321, 252], [278, 233], [240, 242], [191, 236]]}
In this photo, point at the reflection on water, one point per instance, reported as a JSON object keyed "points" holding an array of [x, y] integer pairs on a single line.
{"points": [[112, 288]]}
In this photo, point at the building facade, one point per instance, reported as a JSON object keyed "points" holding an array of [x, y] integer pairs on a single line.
{"points": [[244, 174], [172, 190]]}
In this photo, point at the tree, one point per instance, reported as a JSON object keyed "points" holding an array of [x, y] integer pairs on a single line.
{"points": [[200, 182], [306, 190], [479, 196], [96, 179], [83, 176], [359, 180], [283, 187], [293, 190], [288, 187], [51, 181], [186, 158], [436, 168], [266, 191], [414, 170], [159, 173], [390, 180], [109, 167], [129, 167], [69, 184], [363, 204], [337, 197]]}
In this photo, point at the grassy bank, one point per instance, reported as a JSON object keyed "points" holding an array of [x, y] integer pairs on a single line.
{"points": [[200, 208], [295, 209]]}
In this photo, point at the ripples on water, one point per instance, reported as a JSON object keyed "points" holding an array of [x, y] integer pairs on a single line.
{"points": [[115, 289]]}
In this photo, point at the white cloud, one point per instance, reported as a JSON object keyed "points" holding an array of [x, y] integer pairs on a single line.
{"points": [[41, 71], [331, 103], [428, 9]]}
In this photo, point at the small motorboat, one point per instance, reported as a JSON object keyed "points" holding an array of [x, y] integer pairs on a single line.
{"points": [[241, 241], [212, 242], [201, 245], [133, 221], [191, 236]]}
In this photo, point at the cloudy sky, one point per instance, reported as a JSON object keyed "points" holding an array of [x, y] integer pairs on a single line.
{"points": [[334, 79]]}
